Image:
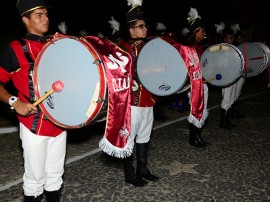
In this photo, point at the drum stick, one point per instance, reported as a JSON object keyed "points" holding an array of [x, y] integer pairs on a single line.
{"points": [[56, 87]]}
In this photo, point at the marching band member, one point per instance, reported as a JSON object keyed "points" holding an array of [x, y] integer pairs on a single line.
{"points": [[228, 92], [198, 94], [43, 143], [238, 39], [142, 102]]}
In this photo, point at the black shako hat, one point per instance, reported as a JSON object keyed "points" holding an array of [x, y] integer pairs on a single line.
{"points": [[239, 34], [195, 25], [25, 6], [134, 14], [227, 31]]}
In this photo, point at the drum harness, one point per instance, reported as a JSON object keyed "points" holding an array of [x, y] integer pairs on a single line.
{"points": [[135, 78], [31, 97]]}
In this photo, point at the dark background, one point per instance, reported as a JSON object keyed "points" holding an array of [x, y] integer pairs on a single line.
{"points": [[93, 18]]}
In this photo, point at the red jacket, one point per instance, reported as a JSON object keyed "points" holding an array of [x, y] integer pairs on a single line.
{"points": [[140, 97], [15, 65]]}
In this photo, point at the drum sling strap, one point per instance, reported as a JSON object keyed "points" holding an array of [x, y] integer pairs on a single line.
{"points": [[31, 97], [134, 58], [245, 59]]}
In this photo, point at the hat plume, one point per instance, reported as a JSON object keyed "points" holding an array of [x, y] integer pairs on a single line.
{"points": [[83, 32], [185, 31], [62, 27], [161, 26], [220, 27], [134, 2], [192, 15], [235, 27], [100, 35], [115, 25]]}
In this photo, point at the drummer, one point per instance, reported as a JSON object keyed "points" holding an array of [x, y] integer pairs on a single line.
{"points": [[229, 95], [142, 103], [239, 38], [193, 36], [43, 143]]}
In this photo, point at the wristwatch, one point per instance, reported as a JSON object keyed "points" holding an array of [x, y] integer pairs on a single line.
{"points": [[12, 100]]}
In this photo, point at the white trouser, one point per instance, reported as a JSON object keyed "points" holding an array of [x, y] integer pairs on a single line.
{"points": [[44, 159], [239, 85], [231, 94], [142, 119]]}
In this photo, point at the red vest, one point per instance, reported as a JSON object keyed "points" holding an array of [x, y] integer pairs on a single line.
{"points": [[22, 79]]}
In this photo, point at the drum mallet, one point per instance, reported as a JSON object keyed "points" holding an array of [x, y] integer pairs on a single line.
{"points": [[56, 87], [218, 77]]}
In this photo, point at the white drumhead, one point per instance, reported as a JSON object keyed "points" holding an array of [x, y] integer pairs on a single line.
{"points": [[160, 68], [266, 50], [222, 64], [72, 62], [256, 59]]}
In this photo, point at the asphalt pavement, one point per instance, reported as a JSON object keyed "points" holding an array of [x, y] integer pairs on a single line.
{"points": [[234, 167]]}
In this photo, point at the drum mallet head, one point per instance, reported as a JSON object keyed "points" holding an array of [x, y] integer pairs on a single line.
{"points": [[218, 76], [57, 86]]}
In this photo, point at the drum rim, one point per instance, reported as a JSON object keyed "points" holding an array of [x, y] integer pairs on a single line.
{"points": [[265, 63], [239, 53], [267, 51], [103, 84]]}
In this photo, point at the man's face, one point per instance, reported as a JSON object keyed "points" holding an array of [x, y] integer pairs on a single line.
{"points": [[139, 30], [229, 39], [38, 22], [200, 34], [239, 40]]}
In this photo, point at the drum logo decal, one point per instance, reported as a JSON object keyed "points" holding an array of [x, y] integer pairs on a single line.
{"points": [[204, 63], [164, 87], [117, 63], [50, 101]]}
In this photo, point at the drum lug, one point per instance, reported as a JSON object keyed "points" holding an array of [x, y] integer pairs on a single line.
{"points": [[101, 100], [97, 62]]}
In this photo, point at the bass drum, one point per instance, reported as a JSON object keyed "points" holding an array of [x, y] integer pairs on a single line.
{"points": [[222, 64], [83, 98], [256, 57], [160, 68]]}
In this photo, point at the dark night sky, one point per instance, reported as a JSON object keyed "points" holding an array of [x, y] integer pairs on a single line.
{"points": [[173, 13]]}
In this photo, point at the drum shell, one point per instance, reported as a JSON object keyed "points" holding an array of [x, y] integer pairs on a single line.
{"points": [[256, 56], [267, 52], [83, 99]]}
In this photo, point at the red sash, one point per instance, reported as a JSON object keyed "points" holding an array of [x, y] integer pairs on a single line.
{"points": [[117, 65], [189, 54]]}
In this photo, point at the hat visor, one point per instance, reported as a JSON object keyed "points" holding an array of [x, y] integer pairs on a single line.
{"points": [[37, 7]]}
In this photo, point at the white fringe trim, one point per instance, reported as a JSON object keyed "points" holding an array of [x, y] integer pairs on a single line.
{"points": [[108, 148], [196, 122]]}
